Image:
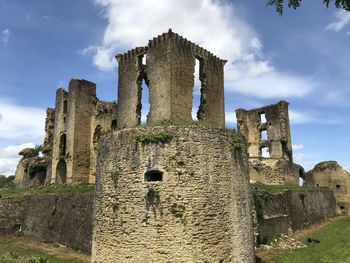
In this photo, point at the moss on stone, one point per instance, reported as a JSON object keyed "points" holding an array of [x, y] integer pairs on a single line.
{"points": [[147, 138]]}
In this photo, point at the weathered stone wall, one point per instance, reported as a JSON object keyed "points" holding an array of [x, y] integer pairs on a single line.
{"points": [[129, 90], [292, 209], [11, 215], [199, 211], [331, 174], [272, 134], [64, 219], [169, 74]]}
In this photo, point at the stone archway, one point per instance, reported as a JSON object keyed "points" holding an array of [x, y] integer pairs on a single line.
{"points": [[61, 172]]}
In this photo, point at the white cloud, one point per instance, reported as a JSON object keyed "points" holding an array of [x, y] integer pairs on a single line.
{"points": [[9, 158], [24, 125], [297, 117], [5, 35], [297, 146], [213, 24], [21, 123], [342, 19]]}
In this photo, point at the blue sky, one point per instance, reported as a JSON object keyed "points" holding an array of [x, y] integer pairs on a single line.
{"points": [[301, 57]]}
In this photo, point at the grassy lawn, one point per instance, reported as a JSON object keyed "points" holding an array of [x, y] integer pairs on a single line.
{"points": [[333, 248], [12, 252], [63, 189]]}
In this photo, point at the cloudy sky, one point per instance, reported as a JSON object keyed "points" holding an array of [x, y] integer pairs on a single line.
{"points": [[302, 57]]}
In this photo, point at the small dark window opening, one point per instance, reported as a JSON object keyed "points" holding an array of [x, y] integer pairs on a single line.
{"points": [[153, 176], [342, 207], [337, 186], [65, 106], [64, 119], [63, 143], [114, 124], [317, 185]]}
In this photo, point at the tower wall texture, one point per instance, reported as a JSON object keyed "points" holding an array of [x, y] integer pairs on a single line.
{"points": [[199, 211]]}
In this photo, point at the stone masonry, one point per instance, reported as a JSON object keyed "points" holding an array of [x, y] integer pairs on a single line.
{"points": [[73, 129], [267, 133], [169, 193], [330, 174], [169, 75], [184, 199]]}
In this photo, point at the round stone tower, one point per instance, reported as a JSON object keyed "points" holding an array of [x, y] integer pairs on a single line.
{"points": [[167, 193]]}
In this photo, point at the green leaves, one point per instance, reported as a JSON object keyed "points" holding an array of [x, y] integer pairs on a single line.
{"points": [[279, 4]]}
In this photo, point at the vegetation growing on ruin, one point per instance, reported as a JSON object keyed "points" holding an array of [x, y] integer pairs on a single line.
{"points": [[237, 143], [36, 167], [325, 165], [160, 137], [282, 187], [54, 189], [4, 181]]}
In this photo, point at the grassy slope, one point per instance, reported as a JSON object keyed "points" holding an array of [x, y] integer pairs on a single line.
{"points": [[65, 189], [10, 252], [334, 246]]}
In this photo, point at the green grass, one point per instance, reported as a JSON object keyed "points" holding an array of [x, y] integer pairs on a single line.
{"points": [[10, 252], [63, 189], [334, 246], [281, 188]]}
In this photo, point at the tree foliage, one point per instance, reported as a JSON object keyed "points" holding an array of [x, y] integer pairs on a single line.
{"points": [[279, 4]]}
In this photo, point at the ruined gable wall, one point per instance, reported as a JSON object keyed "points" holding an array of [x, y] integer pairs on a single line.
{"points": [[200, 212]]}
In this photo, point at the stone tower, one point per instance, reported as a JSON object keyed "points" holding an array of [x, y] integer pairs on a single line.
{"points": [[267, 132], [171, 193], [78, 122]]}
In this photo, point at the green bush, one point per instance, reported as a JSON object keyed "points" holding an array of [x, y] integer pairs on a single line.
{"points": [[4, 181]]}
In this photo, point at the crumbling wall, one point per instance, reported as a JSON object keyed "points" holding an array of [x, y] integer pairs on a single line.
{"points": [[103, 121], [169, 75], [172, 194], [31, 169], [280, 213], [267, 133], [63, 219], [331, 174]]}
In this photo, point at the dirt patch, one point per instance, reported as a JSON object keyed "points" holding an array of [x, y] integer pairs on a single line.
{"points": [[56, 250]]}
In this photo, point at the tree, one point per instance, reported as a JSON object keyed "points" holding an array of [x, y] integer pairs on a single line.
{"points": [[344, 4]]}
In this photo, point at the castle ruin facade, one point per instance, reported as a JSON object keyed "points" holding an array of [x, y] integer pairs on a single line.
{"points": [[73, 129], [267, 133], [167, 193]]}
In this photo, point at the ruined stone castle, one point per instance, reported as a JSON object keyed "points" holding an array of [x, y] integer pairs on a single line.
{"points": [[73, 129], [175, 190]]}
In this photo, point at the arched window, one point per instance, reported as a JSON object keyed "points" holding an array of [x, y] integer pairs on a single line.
{"points": [[61, 172]]}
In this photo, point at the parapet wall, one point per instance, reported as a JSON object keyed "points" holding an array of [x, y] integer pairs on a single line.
{"points": [[172, 194]]}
